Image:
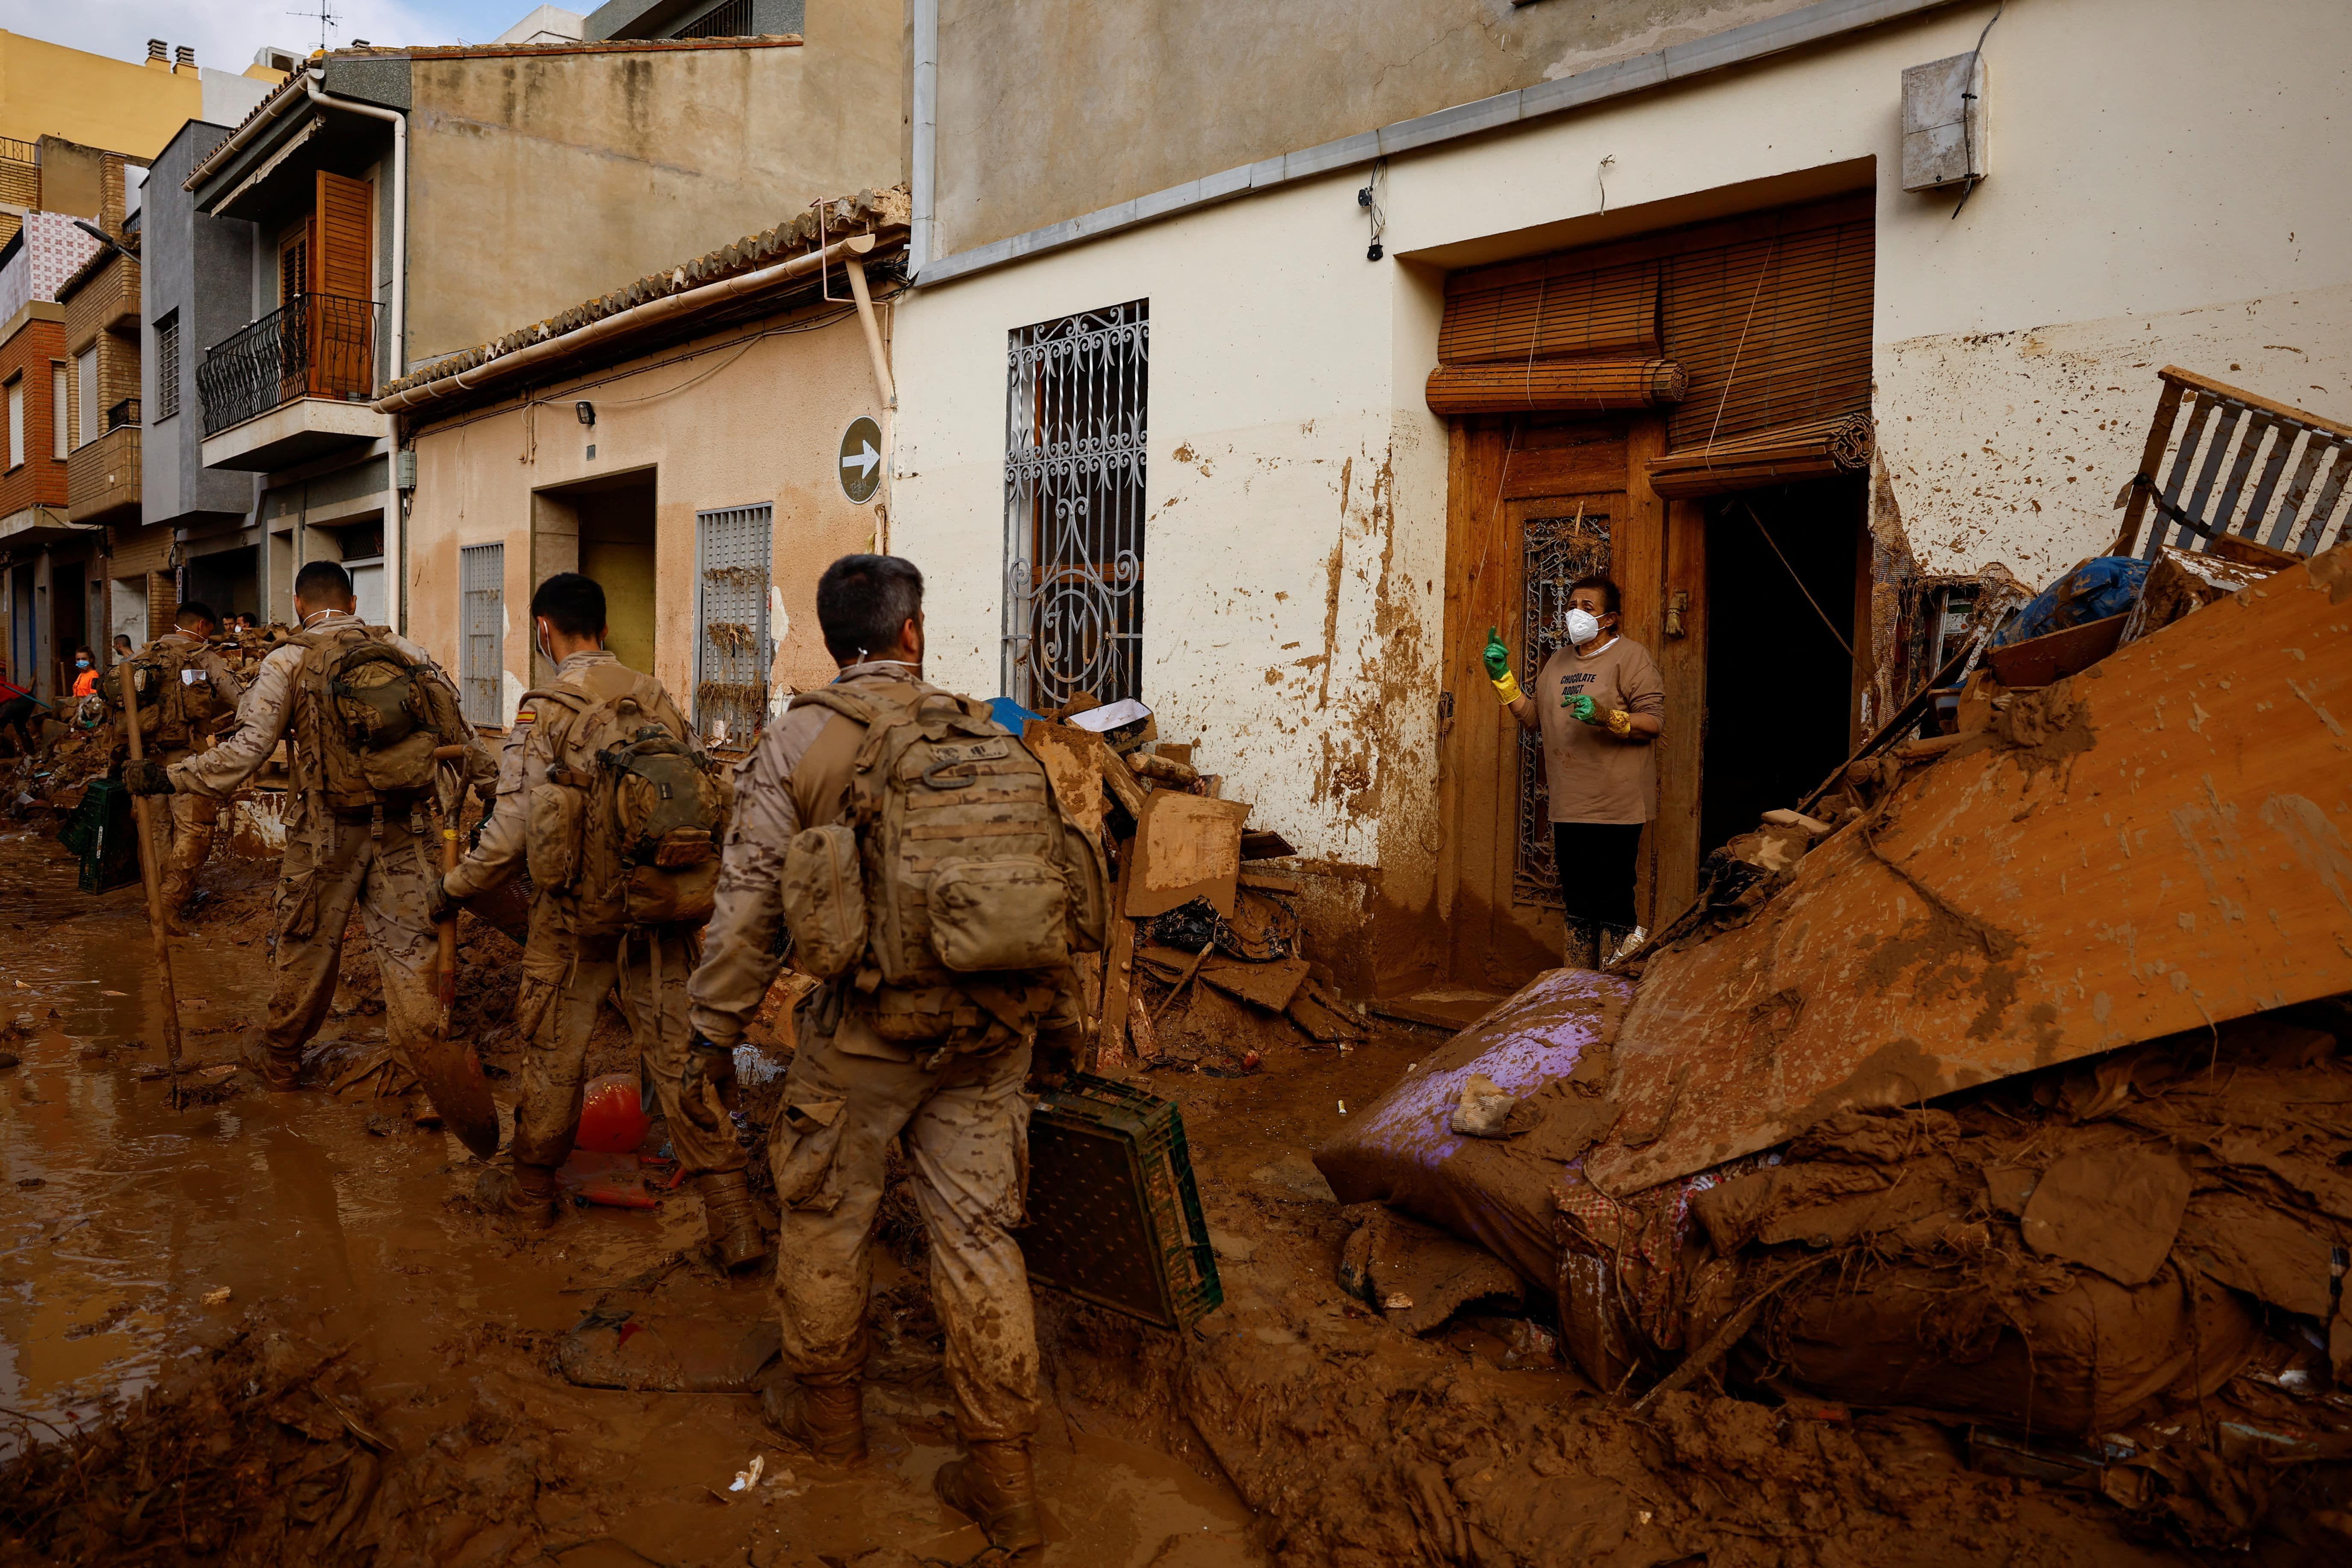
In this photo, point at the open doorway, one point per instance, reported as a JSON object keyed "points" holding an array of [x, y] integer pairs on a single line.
{"points": [[228, 580], [605, 529], [1781, 581]]}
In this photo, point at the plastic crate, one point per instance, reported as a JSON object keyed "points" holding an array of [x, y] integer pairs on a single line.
{"points": [[103, 832], [1114, 1217]]}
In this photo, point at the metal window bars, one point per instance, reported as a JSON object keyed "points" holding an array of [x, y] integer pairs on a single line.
{"points": [[167, 366], [1076, 426], [730, 20], [2227, 437], [482, 622], [734, 559], [315, 345], [1557, 550]]}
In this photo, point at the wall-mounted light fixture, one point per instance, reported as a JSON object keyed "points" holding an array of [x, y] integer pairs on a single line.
{"points": [[587, 412]]}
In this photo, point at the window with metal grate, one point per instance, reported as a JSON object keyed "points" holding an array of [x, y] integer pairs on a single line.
{"points": [[730, 20], [734, 558], [1075, 431], [482, 611], [167, 365]]}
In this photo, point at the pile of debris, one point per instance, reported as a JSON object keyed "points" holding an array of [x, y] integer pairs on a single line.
{"points": [[1204, 964]]}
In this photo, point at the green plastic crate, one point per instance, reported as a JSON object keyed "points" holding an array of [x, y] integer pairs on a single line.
{"points": [[1114, 1217]]}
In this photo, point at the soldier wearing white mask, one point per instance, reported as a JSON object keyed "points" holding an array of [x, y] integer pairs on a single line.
{"points": [[1599, 704]]}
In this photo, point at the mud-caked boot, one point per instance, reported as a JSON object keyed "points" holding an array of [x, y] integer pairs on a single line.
{"points": [[829, 1422], [527, 1192], [279, 1071], [996, 1491], [733, 1222]]}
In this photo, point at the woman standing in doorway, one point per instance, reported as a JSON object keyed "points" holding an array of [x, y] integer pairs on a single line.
{"points": [[1599, 704]]}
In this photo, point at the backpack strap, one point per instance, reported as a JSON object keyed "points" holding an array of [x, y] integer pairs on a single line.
{"points": [[558, 731]]}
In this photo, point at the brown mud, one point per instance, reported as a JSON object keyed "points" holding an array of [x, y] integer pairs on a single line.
{"points": [[377, 1385]]}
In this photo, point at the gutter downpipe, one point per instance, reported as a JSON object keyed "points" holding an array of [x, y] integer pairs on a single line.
{"points": [[884, 385], [841, 252], [922, 238], [395, 527]]}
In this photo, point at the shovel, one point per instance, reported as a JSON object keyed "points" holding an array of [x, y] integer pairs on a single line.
{"points": [[447, 1066], [143, 809]]}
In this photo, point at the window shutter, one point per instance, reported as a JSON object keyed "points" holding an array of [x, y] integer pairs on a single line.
{"points": [[1773, 330], [342, 288], [60, 406]]}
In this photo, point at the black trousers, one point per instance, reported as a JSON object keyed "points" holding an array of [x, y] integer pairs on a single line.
{"points": [[1595, 860]]}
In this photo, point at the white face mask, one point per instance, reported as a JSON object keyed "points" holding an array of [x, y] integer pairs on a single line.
{"points": [[1582, 627]]}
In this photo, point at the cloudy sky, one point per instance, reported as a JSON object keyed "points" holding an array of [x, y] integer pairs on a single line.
{"points": [[227, 32]]}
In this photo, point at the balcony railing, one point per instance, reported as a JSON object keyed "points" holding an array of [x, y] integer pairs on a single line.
{"points": [[124, 413], [315, 345]]}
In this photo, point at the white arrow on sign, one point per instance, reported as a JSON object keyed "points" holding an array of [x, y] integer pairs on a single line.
{"points": [[862, 460]]}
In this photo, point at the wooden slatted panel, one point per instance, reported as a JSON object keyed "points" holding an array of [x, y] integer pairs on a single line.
{"points": [[1550, 308], [343, 263], [1772, 331]]}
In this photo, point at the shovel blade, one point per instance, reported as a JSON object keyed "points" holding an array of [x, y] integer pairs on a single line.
{"points": [[451, 1075]]}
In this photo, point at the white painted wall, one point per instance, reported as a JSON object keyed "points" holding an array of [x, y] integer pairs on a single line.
{"points": [[2166, 187]]}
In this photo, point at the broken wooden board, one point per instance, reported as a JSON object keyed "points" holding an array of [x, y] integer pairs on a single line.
{"points": [[1267, 985], [2160, 842], [1187, 847], [1071, 766]]}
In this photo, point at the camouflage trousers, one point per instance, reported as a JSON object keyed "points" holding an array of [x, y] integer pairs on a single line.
{"points": [[966, 1129], [195, 818], [566, 975], [326, 871]]}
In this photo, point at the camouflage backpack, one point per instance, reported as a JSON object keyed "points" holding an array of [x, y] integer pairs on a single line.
{"points": [[367, 719], [175, 696], [954, 871], [630, 818]]}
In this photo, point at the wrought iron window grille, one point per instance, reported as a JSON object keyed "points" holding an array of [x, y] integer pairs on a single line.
{"points": [[1075, 429], [314, 345], [735, 555]]}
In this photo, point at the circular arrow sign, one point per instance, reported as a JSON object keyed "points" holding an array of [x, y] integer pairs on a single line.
{"points": [[861, 460]]}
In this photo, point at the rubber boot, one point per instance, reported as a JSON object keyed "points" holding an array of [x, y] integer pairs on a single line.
{"points": [[527, 1192], [733, 1223], [1581, 946], [828, 1422], [996, 1491], [283, 1073]]}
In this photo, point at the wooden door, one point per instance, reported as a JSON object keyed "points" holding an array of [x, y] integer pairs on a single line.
{"points": [[1533, 504]]}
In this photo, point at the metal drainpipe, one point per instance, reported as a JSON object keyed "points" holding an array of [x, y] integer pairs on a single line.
{"points": [[922, 238], [395, 527], [884, 385]]}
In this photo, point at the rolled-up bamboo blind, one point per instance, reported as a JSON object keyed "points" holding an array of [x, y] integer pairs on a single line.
{"points": [[1816, 449], [1596, 385]]}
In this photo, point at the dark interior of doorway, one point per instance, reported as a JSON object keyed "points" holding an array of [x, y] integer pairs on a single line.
{"points": [[616, 548], [1780, 683], [227, 582]]}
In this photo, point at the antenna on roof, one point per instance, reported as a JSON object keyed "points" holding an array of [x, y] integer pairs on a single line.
{"points": [[325, 15]]}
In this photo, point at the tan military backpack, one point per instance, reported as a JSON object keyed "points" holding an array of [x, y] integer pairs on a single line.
{"points": [[954, 863], [630, 818], [367, 718], [175, 696]]}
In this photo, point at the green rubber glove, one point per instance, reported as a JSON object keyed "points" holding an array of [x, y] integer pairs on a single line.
{"points": [[1498, 658], [1580, 708]]}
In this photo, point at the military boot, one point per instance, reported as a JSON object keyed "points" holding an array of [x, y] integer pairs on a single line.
{"points": [[278, 1070], [995, 1489], [829, 1422], [527, 1192], [733, 1223]]}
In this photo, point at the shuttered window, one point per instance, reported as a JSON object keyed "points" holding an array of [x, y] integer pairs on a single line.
{"points": [[342, 316], [1767, 317]]}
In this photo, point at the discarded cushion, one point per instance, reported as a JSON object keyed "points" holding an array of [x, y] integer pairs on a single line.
{"points": [[1547, 1046]]}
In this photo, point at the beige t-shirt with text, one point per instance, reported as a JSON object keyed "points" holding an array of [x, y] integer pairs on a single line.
{"points": [[1593, 776]]}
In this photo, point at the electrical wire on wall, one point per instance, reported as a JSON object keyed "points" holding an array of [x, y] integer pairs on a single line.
{"points": [[1968, 134], [1372, 198]]}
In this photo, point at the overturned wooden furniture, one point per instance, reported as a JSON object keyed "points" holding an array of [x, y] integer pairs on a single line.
{"points": [[2244, 472]]}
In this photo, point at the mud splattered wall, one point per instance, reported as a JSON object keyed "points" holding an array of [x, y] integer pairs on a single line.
{"points": [[1299, 484]]}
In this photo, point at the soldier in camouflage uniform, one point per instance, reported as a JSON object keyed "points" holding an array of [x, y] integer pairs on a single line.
{"points": [[376, 860], [574, 956], [850, 1091], [195, 817]]}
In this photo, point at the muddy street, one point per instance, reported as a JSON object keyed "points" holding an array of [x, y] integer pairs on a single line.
{"points": [[136, 1238]]}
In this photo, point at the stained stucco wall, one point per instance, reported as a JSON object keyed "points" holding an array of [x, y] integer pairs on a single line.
{"points": [[539, 181], [762, 424], [1294, 568], [1158, 94]]}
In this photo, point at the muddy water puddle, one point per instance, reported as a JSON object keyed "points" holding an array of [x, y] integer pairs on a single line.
{"points": [[128, 1231]]}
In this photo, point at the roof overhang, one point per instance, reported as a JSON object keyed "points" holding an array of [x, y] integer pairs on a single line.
{"points": [[36, 525]]}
